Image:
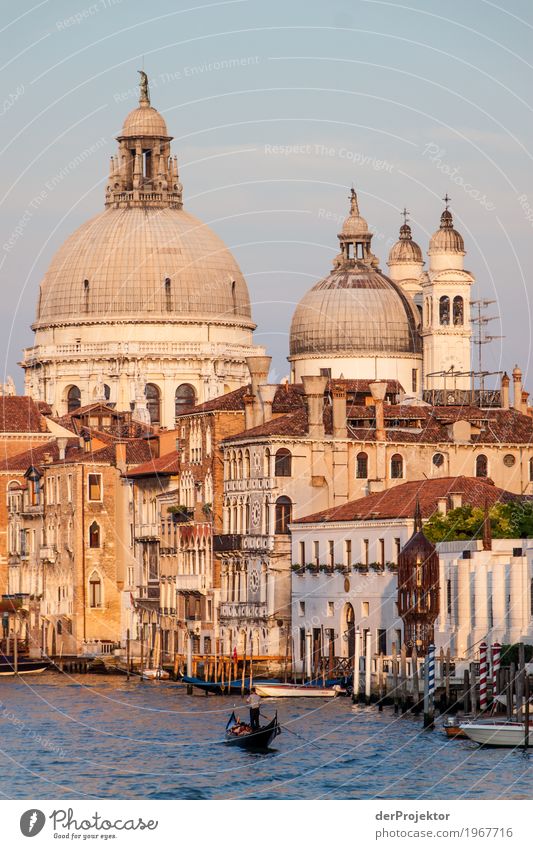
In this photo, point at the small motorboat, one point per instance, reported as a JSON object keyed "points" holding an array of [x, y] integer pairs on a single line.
{"points": [[290, 691], [452, 727], [25, 666], [240, 733], [508, 733], [155, 675]]}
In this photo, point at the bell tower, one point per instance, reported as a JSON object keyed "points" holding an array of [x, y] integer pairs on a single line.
{"points": [[446, 324]]}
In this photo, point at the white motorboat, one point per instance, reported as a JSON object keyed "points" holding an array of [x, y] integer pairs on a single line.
{"points": [[277, 691], [503, 733], [155, 674]]}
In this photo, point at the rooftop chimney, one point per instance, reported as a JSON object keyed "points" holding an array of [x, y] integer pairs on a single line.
{"points": [[504, 398], [62, 442], [120, 455], [267, 392], [525, 396], [456, 499], [378, 390], [442, 505], [248, 412], [338, 393], [517, 389], [314, 388], [258, 368]]}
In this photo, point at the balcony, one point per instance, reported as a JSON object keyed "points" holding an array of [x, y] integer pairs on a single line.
{"points": [[48, 553], [227, 542], [240, 542], [243, 610], [32, 510], [149, 531], [191, 583]]}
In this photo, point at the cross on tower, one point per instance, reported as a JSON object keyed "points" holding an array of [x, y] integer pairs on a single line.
{"points": [[446, 200], [405, 214]]}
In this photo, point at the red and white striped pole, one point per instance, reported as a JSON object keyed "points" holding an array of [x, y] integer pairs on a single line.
{"points": [[496, 654], [483, 669]]}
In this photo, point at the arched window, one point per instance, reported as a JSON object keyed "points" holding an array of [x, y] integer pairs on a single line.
{"points": [[246, 464], [444, 310], [482, 466], [266, 470], [283, 514], [396, 466], [283, 463], [95, 590], [185, 397], [73, 399], [94, 535], [153, 402], [531, 468], [239, 465], [458, 310], [361, 465]]}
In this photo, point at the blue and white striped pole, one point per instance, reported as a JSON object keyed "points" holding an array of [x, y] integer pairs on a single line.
{"points": [[431, 672], [429, 687]]}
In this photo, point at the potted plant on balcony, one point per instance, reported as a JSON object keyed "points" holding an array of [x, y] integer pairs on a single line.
{"points": [[180, 513], [207, 510], [360, 567]]}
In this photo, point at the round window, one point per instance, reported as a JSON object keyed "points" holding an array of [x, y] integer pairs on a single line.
{"points": [[438, 459], [509, 460]]}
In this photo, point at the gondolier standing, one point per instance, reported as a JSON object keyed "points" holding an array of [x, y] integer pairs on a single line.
{"points": [[254, 701]]}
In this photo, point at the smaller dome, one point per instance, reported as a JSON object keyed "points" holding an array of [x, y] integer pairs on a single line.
{"points": [[405, 250], [446, 239], [144, 121], [354, 223]]}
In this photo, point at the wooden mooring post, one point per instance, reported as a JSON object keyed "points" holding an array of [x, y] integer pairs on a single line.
{"points": [[466, 692], [128, 655], [526, 711], [415, 682], [380, 680], [368, 668], [356, 694], [403, 677]]}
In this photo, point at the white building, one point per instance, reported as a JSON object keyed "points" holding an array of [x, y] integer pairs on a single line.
{"points": [[344, 575]]}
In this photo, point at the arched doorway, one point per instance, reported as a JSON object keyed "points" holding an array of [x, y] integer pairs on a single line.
{"points": [[349, 629]]}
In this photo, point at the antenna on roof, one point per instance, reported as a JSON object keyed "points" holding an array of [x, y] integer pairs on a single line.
{"points": [[482, 337]]}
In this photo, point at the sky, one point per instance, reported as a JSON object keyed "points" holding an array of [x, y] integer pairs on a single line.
{"points": [[277, 109]]}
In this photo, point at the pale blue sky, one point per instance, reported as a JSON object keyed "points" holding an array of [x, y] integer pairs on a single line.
{"points": [[391, 97]]}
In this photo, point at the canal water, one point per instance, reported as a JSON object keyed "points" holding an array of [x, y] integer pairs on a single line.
{"points": [[89, 736]]}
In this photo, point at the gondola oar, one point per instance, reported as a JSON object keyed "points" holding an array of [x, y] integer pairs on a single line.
{"points": [[310, 742]]}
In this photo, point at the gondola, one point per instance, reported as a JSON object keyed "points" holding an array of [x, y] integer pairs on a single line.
{"points": [[241, 734]]}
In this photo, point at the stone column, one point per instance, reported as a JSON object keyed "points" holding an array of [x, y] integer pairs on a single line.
{"points": [[481, 596], [499, 601], [463, 606]]}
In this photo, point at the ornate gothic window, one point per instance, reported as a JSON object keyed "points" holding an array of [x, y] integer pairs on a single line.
{"points": [[73, 399], [444, 310], [283, 463], [94, 535], [458, 311], [153, 402]]}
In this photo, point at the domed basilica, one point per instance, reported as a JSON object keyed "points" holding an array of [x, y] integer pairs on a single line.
{"points": [[145, 308]]}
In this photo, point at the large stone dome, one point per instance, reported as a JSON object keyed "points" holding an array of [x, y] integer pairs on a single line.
{"points": [[355, 310], [134, 263]]}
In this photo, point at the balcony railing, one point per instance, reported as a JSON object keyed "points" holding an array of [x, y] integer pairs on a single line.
{"points": [[227, 542], [48, 553], [191, 583], [147, 531], [32, 509], [247, 610]]}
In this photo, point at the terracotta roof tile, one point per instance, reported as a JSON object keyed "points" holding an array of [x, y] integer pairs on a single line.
{"points": [[20, 414], [168, 464], [400, 501]]}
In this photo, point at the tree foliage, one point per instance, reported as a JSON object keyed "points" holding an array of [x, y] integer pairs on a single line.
{"points": [[508, 521]]}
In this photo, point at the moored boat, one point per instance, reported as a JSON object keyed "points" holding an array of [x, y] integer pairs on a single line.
{"points": [[296, 690], [155, 675], [504, 733], [25, 666], [241, 734], [224, 688]]}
